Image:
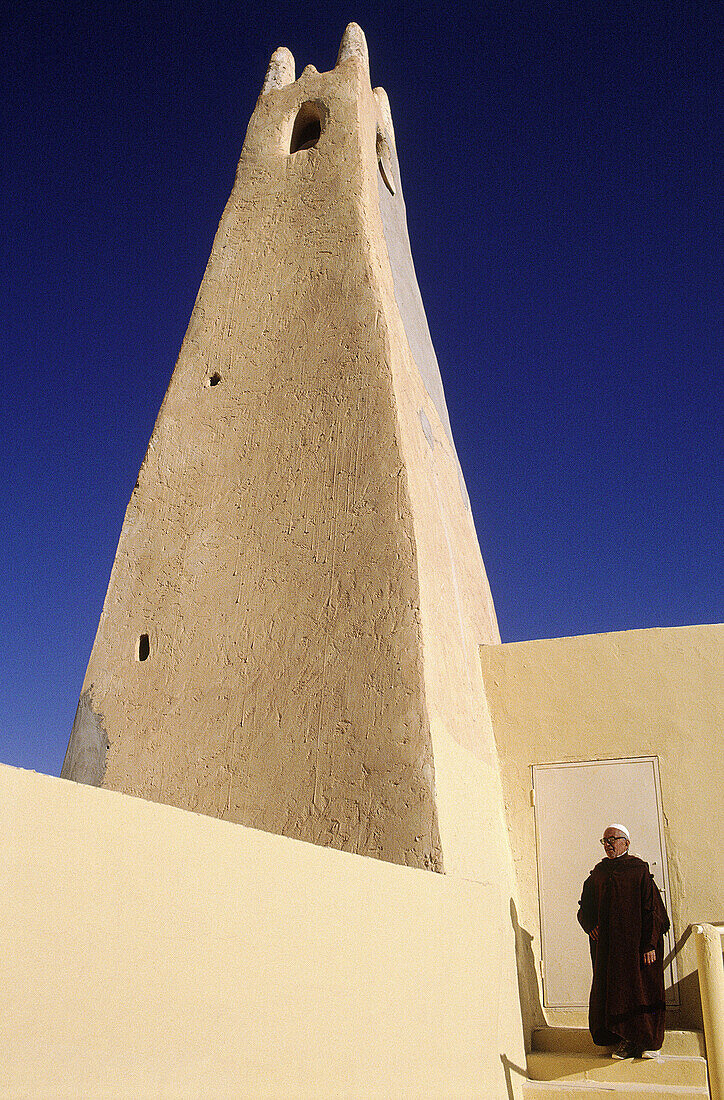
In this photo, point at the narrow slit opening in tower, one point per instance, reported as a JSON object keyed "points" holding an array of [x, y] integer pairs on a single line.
{"points": [[144, 647], [307, 127]]}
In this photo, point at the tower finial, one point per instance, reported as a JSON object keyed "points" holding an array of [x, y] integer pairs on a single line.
{"points": [[353, 44], [281, 70], [385, 139], [386, 115]]}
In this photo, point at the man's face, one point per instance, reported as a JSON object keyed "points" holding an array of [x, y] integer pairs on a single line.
{"points": [[614, 843]]}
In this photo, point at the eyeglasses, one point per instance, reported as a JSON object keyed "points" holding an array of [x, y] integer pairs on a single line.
{"points": [[606, 841]]}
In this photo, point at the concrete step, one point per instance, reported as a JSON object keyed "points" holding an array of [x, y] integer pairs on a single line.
{"points": [[586, 1090], [667, 1069], [577, 1040]]}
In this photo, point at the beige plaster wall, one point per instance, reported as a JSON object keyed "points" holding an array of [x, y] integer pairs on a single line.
{"points": [[604, 696], [149, 951]]}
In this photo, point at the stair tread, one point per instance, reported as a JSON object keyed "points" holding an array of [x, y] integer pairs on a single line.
{"points": [[666, 1070], [594, 1090], [566, 1039]]}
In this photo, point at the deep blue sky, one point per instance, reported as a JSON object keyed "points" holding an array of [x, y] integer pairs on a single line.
{"points": [[560, 164]]}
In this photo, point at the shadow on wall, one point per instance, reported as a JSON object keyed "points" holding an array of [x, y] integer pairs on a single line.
{"points": [[687, 987], [531, 1009]]}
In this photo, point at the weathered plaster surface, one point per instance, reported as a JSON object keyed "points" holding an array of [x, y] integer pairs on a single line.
{"points": [[268, 549], [299, 547]]}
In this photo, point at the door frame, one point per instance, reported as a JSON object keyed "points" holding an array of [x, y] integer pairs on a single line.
{"points": [[671, 973]]}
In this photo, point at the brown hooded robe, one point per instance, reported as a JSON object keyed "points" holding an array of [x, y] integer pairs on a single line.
{"points": [[622, 900]]}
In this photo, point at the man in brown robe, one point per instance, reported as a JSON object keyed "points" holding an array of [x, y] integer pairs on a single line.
{"points": [[622, 912]]}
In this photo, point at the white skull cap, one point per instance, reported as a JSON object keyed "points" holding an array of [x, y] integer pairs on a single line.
{"points": [[621, 829]]}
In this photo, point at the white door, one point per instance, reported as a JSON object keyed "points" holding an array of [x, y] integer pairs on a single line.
{"points": [[573, 805]]}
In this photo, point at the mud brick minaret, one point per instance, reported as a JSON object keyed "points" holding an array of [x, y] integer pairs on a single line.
{"points": [[290, 634]]}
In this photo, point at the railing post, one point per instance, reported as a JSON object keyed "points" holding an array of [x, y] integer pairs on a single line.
{"points": [[711, 987]]}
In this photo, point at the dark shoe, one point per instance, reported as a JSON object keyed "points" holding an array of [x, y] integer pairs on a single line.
{"points": [[623, 1050]]}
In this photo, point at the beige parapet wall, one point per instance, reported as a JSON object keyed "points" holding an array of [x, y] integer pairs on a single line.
{"points": [[149, 951], [607, 696]]}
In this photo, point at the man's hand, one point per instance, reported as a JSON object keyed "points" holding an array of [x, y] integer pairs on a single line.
{"points": [[649, 957], [594, 934]]}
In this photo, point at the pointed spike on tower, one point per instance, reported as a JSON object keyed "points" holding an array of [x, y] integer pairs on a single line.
{"points": [[385, 139], [383, 104], [353, 45], [281, 70]]}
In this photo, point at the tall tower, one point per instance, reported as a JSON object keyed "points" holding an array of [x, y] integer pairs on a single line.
{"points": [[290, 634]]}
